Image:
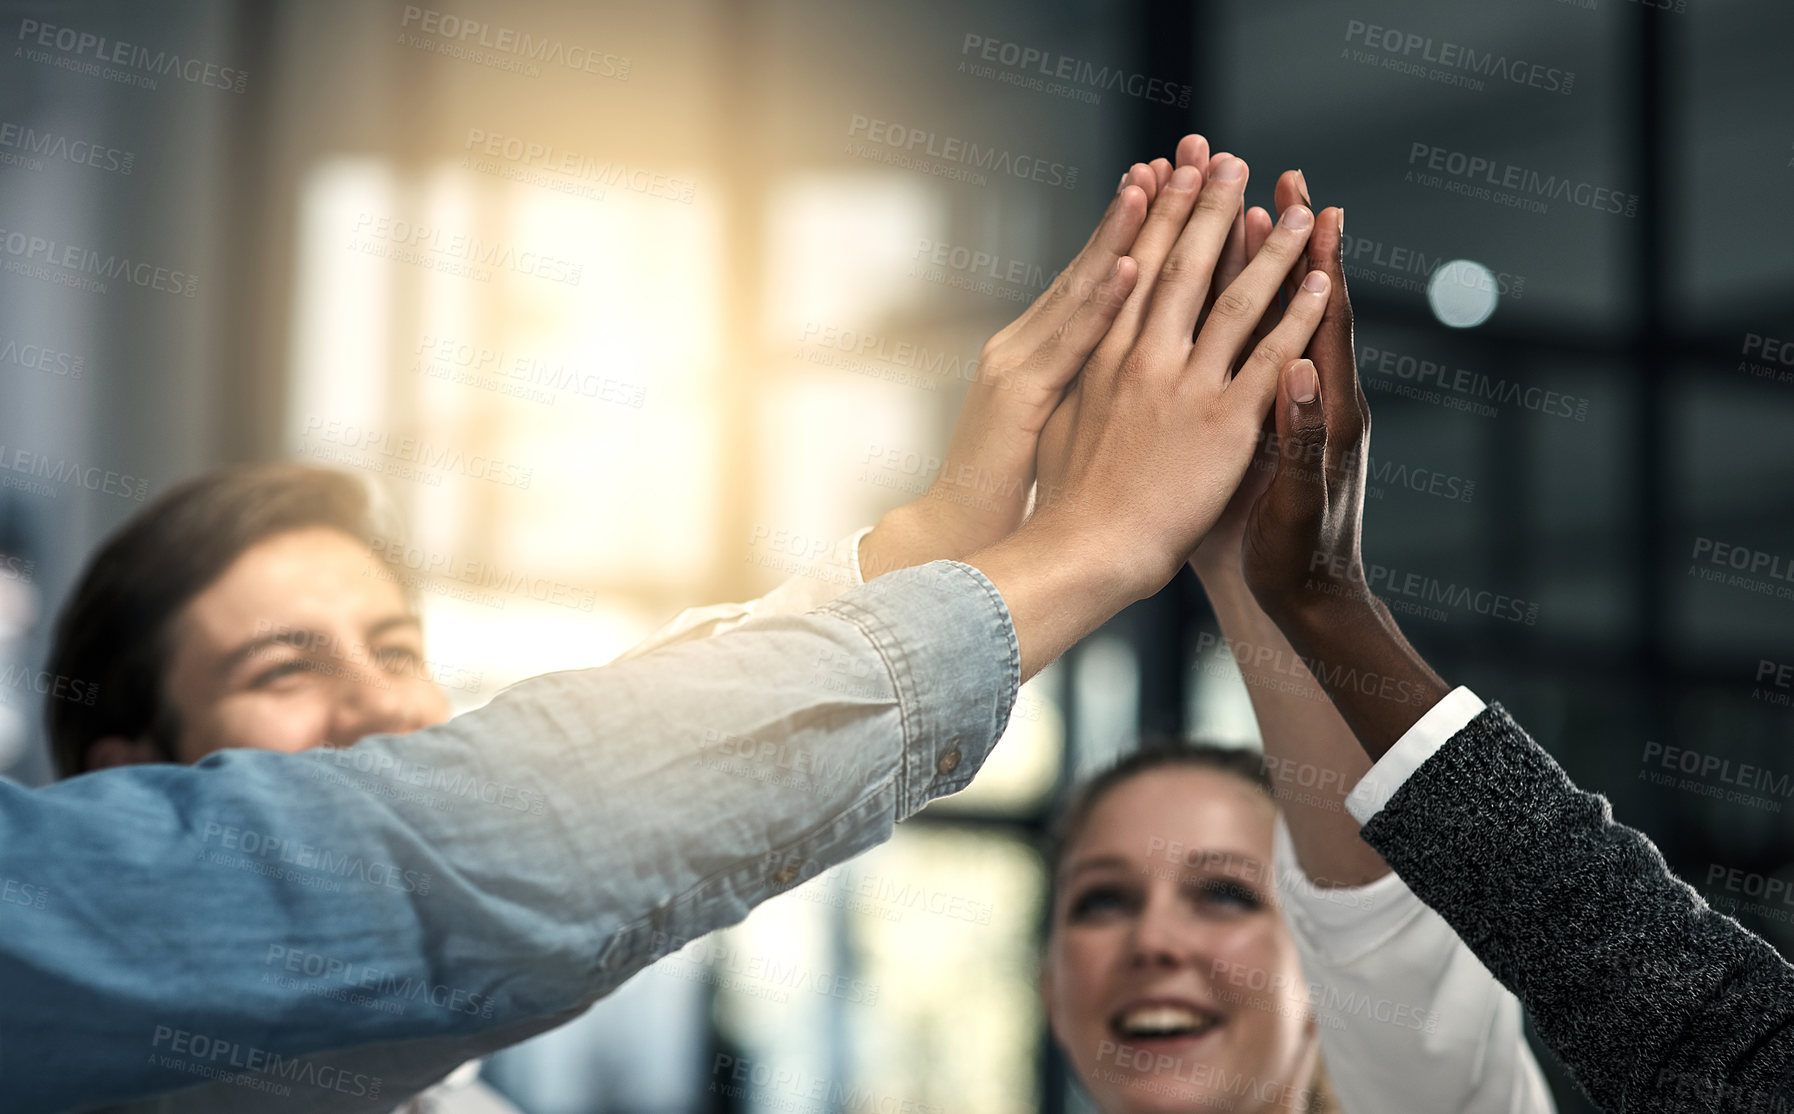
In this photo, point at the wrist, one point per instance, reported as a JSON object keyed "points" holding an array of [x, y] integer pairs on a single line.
{"points": [[1357, 649], [1059, 583], [981, 488], [1236, 608], [1107, 560], [969, 506], [979, 492], [1379, 683], [1316, 615], [965, 509], [1221, 577], [899, 540]]}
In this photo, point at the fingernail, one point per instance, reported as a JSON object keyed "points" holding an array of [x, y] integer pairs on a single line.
{"points": [[1121, 185], [1342, 220], [1183, 178], [1315, 283], [1304, 384], [1302, 184], [1298, 217], [1231, 170]]}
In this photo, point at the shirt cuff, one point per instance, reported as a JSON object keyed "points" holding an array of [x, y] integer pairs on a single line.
{"points": [[944, 634], [852, 545], [1445, 719]]}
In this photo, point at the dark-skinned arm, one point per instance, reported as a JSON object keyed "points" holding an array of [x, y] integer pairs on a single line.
{"points": [[1654, 1001]]}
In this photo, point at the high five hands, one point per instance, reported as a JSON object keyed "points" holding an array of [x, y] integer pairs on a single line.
{"points": [[1148, 445], [1166, 414], [1026, 370], [980, 494], [1132, 396], [1291, 527]]}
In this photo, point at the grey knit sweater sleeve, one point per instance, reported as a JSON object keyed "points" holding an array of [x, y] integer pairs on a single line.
{"points": [[1653, 1001]]}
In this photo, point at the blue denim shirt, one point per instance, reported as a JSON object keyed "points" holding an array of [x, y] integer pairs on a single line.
{"points": [[430, 897]]}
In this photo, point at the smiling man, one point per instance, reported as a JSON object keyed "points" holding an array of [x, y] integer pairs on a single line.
{"points": [[241, 610]]}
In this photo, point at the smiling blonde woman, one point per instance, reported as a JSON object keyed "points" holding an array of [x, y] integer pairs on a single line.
{"points": [[1170, 979]]}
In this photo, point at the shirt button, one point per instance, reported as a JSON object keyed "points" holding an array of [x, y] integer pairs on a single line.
{"points": [[785, 875], [949, 762]]}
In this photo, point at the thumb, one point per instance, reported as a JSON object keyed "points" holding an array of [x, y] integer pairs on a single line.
{"points": [[1298, 491]]}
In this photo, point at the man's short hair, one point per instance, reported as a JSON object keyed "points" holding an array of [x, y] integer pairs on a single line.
{"points": [[114, 632]]}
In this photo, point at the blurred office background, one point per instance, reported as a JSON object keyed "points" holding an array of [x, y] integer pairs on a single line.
{"points": [[703, 335]]}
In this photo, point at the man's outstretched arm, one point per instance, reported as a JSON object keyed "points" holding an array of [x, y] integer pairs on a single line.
{"points": [[172, 925]]}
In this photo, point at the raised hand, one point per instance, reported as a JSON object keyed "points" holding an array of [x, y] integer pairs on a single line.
{"points": [[1220, 553], [1160, 426], [1301, 553], [981, 493], [1301, 538]]}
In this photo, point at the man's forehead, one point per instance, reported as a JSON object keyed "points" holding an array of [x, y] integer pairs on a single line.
{"points": [[319, 580]]}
